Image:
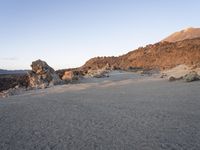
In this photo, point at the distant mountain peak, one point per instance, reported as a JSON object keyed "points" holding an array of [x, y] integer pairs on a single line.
{"points": [[188, 33], [3, 71], [189, 28]]}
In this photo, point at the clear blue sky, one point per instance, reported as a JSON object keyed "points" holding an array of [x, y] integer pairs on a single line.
{"points": [[66, 33]]}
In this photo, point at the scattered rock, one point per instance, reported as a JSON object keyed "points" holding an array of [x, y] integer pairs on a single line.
{"points": [[12, 91], [172, 78], [135, 69], [99, 73], [163, 75], [149, 72], [70, 76], [42, 75], [192, 76]]}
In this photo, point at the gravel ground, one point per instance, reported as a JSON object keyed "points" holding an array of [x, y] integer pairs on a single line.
{"points": [[124, 111]]}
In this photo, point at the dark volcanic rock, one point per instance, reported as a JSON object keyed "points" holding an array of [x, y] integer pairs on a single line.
{"points": [[12, 80]]}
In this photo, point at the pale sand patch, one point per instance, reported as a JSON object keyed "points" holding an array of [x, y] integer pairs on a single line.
{"points": [[180, 71]]}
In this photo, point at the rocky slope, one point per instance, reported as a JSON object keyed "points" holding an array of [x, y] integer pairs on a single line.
{"points": [[161, 56], [189, 33]]}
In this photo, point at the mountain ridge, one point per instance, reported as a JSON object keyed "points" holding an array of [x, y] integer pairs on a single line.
{"points": [[5, 71]]}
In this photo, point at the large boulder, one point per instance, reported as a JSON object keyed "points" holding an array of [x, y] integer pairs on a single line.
{"points": [[42, 75]]}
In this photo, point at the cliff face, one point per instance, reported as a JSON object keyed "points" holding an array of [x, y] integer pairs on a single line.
{"points": [[162, 55]]}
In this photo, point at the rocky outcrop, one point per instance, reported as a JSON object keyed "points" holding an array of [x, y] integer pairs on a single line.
{"points": [[42, 75]]}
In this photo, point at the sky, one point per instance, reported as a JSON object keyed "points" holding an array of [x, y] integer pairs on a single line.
{"points": [[66, 33]]}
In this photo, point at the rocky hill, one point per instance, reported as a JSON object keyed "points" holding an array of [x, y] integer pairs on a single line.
{"points": [[162, 55], [189, 33]]}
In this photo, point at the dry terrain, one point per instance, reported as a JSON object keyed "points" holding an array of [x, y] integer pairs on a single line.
{"points": [[124, 111]]}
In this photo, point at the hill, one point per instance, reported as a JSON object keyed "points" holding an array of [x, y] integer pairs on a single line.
{"points": [[162, 55], [189, 33]]}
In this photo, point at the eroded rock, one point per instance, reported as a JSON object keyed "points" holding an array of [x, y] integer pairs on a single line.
{"points": [[42, 75]]}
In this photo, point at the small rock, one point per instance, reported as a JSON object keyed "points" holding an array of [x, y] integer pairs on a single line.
{"points": [[163, 75], [99, 73], [68, 75], [192, 76], [171, 78], [12, 91]]}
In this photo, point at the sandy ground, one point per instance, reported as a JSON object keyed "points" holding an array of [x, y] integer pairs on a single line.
{"points": [[124, 111], [180, 71]]}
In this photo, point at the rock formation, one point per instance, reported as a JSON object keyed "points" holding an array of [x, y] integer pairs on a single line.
{"points": [[42, 75]]}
